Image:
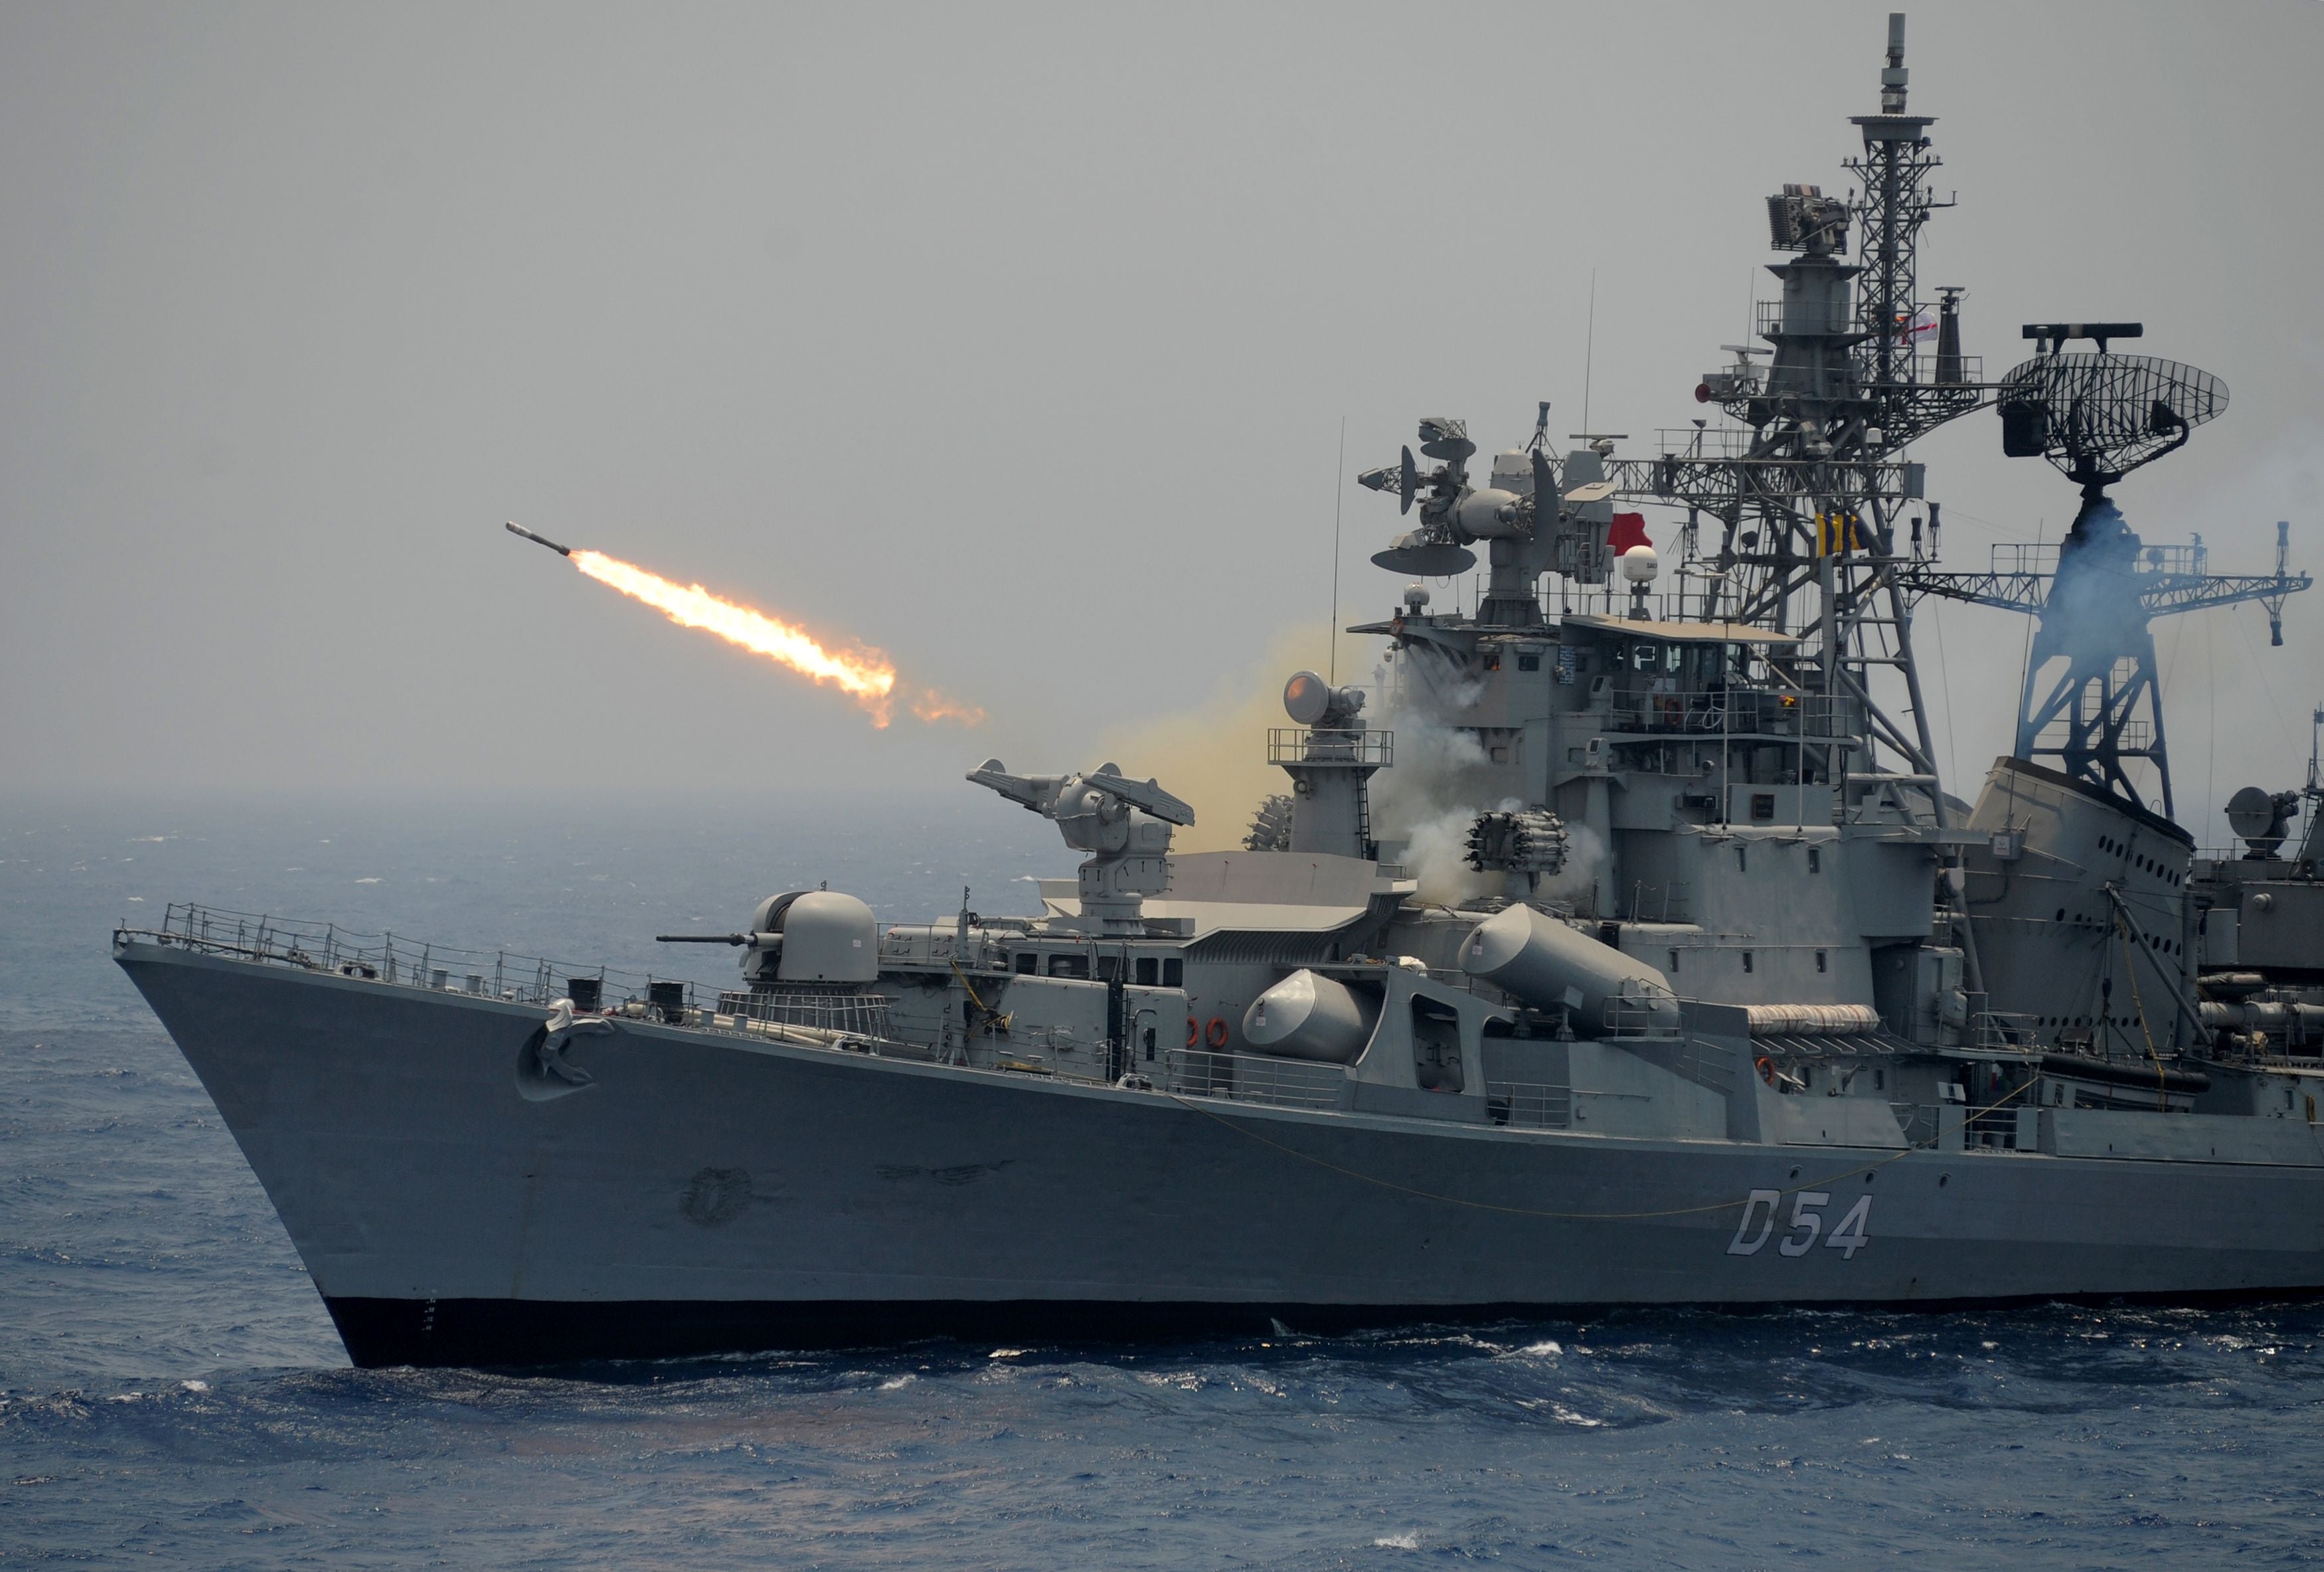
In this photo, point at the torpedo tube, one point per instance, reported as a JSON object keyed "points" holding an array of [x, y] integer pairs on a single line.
{"points": [[1306, 1017], [1550, 967]]}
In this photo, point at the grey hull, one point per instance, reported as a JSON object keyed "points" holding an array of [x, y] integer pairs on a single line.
{"points": [[706, 1191]]}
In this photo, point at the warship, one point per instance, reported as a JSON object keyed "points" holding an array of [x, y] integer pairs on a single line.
{"points": [[1619, 944]]}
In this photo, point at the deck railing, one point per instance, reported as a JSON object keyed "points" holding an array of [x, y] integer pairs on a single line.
{"points": [[1352, 746], [1529, 1105], [855, 1014], [1286, 1083], [326, 946]]}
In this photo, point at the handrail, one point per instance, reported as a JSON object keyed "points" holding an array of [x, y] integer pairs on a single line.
{"points": [[1285, 1083], [1349, 747], [327, 946]]}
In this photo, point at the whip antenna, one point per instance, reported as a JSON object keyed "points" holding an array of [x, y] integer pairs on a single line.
{"points": [[1339, 496]]}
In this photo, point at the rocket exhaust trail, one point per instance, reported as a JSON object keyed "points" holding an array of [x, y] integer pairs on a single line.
{"points": [[864, 673]]}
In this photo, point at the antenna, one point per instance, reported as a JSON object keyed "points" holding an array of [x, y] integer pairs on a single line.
{"points": [[1893, 79], [2314, 792], [1590, 349], [2098, 417], [2275, 603], [1338, 495]]}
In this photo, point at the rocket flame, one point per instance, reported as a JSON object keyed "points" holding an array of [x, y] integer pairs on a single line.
{"points": [[864, 674]]}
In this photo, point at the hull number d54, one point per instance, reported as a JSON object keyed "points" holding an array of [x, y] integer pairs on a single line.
{"points": [[1850, 1234]]}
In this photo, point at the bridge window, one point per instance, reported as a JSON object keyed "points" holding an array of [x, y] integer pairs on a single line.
{"points": [[1147, 966], [1069, 966], [1174, 973], [1028, 962]]}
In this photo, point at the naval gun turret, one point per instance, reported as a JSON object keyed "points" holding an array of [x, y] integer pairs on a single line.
{"points": [[803, 939], [1124, 823], [809, 958]]}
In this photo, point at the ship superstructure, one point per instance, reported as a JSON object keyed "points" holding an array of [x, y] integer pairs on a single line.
{"points": [[1619, 944]]}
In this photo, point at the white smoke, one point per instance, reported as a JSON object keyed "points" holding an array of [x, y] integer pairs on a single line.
{"points": [[1575, 884], [2094, 610], [1441, 782], [1436, 851]]}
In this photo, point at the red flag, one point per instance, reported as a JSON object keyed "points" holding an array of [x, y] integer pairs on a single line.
{"points": [[1628, 529]]}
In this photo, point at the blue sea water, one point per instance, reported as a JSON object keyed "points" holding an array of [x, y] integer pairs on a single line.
{"points": [[172, 1393]]}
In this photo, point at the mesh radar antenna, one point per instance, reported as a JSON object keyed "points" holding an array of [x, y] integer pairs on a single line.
{"points": [[2091, 704]]}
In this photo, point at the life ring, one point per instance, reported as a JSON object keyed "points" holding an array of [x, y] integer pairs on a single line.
{"points": [[1194, 1033], [1766, 1069], [1217, 1034]]}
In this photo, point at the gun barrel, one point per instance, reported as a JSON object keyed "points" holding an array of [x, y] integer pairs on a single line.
{"points": [[702, 938]]}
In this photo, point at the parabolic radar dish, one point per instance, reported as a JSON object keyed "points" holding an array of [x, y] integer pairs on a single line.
{"points": [[2099, 416]]}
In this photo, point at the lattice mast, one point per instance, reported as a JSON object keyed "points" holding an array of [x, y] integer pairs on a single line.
{"points": [[1810, 508]]}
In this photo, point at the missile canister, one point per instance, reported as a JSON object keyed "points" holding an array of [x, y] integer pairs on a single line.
{"points": [[1551, 966], [1306, 1017]]}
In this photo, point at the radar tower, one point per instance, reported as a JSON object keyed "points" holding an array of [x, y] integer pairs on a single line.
{"points": [[2097, 417]]}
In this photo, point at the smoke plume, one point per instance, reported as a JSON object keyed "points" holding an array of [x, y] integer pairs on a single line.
{"points": [[1215, 756], [864, 673]]}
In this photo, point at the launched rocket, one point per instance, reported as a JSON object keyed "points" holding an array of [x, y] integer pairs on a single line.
{"points": [[517, 529], [864, 673]]}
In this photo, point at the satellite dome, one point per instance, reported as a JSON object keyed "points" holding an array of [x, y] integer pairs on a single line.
{"points": [[1639, 564]]}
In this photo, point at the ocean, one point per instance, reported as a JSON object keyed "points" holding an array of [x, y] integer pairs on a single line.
{"points": [[171, 1392]]}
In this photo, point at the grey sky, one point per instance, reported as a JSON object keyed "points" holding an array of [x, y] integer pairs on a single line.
{"points": [[1014, 340]]}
